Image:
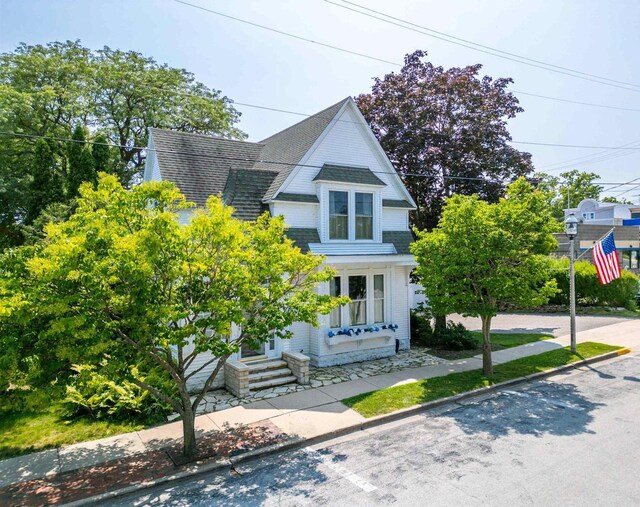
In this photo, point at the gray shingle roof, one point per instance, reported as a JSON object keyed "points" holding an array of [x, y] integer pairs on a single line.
{"points": [[348, 175], [396, 203], [293, 143], [400, 239], [285, 196], [244, 191], [199, 165], [301, 237]]}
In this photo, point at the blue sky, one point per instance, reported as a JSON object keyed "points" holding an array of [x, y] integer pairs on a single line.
{"points": [[258, 67]]}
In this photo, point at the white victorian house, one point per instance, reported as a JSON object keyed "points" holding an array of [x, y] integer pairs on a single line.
{"points": [[341, 197]]}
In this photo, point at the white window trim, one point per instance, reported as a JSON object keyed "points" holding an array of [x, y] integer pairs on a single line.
{"points": [[351, 190], [344, 290]]}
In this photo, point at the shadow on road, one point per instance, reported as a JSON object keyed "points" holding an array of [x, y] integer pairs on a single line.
{"points": [[549, 408]]}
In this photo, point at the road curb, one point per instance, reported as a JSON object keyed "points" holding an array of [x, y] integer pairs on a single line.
{"points": [[372, 422]]}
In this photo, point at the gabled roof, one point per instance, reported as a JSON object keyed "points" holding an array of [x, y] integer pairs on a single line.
{"points": [[345, 174], [293, 143], [244, 191], [200, 165]]}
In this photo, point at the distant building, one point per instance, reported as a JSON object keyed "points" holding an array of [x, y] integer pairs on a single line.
{"points": [[593, 212], [596, 220]]}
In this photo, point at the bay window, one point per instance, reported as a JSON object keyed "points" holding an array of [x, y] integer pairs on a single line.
{"points": [[335, 317], [368, 302], [378, 298], [358, 295]]}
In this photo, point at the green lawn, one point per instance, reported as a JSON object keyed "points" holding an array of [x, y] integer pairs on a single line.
{"points": [[415, 393], [499, 341], [31, 431]]}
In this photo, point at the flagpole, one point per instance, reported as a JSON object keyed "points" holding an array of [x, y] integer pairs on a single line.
{"points": [[571, 230], [572, 293]]}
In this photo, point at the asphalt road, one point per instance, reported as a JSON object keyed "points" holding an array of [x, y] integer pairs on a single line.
{"points": [[557, 325], [570, 440]]}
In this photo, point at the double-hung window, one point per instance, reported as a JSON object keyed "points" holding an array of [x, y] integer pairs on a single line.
{"points": [[378, 298], [350, 215], [335, 290], [364, 215], [358, 295], [338, 215], [368, 304]]}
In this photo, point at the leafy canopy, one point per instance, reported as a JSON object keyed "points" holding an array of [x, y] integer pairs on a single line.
{"points": [[437, 124], [123, 271], [48, 90], [482, 255]]}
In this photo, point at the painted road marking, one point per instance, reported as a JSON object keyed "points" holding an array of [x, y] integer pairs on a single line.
{"points": [[341, 471]]}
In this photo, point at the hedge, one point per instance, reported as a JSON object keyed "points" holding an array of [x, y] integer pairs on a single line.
{"points": [[589, 291]]}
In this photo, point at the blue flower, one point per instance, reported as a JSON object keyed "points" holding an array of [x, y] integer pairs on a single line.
{"points": [[331, 334]]}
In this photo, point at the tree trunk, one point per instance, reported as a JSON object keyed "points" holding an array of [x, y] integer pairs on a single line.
{"points": [[440, 323], [189, 434], [487, 364]]}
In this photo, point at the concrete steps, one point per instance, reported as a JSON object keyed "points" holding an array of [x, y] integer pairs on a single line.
{"points": [[272, 383], [269, 373]]}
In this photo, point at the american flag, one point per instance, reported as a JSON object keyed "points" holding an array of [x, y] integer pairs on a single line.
{"points": [[605, 257]]}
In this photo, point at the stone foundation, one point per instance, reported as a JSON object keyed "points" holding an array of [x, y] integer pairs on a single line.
{"points": [[355, 356]]}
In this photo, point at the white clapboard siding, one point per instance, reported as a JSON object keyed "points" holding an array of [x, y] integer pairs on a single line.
{"points": [[300, 340], [196, 382], [395, 219], [345, 143], [297, 214], [401, 301]]}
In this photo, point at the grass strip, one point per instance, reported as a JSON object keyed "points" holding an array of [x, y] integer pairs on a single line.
{"points": [[499, 341], [407, 395], [30, 431]]}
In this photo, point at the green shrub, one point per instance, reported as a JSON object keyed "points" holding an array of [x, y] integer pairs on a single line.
{"points": [[421, 330], [94, 394], [589, 292], [453, 337]]}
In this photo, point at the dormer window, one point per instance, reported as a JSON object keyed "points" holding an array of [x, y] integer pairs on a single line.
{"points": [[338, 215], [364, 215], [351, 215]]}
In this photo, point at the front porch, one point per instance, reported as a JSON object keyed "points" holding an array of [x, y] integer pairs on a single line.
{"points": [[221, 399]]}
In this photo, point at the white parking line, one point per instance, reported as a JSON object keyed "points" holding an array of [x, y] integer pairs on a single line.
{"points": [[341, 471]]}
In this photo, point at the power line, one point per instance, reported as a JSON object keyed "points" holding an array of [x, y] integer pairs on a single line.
{"points": [[577, 146], [369, 57], [487, 49], [249, 160], [590, 156]]}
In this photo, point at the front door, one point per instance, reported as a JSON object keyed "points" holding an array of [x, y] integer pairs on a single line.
{"points": [[268, 349]]}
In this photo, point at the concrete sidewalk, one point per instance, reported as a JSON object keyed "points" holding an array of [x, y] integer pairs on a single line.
{"points": [[305, 414]]}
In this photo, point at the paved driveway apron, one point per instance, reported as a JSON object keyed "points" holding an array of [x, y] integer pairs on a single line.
{"points": [[557, 325], [572, 440]]}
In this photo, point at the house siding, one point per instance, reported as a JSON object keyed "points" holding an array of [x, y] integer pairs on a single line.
{"points": [[297, 214], [395, 219], [346, 143]]}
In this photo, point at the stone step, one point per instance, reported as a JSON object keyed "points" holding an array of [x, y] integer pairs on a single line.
{"points": [[272, 383], [268, 374], [266, 364]]}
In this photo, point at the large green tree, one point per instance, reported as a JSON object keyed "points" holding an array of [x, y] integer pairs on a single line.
{"points": [[445, 130], [46, 90], [483, 255], [45, 186], [122, 270], [81, 165], [568, 189]]}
